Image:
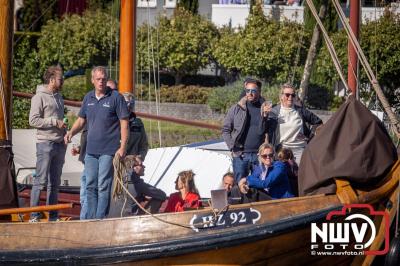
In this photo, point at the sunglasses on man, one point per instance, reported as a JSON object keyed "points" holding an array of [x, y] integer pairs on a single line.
{"points": [[290, 94], [252, 91]]}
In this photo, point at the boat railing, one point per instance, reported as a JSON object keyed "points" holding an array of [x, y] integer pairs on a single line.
{"points": [[347, 194], [16, 212]]}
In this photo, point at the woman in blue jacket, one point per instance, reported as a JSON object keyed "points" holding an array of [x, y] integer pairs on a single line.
{"points": [[270, 176]]}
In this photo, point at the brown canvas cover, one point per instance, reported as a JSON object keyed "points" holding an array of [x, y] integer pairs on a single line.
{"points": [[353, 144], [8, 189]]}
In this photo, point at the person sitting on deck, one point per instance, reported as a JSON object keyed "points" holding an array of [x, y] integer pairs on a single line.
{"points": [[144, 191], [286, 156], [232, 189], [269, 179], [187, 196]]}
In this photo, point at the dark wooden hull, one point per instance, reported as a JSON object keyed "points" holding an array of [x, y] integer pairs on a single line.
{"points": [[281, 236], [66, 195]]}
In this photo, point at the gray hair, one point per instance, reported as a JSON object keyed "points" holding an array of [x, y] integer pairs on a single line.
{"points": [[288, 86], [100, 69]]}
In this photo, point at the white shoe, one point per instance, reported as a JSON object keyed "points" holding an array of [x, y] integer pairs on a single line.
{"points": [[34, 220]]}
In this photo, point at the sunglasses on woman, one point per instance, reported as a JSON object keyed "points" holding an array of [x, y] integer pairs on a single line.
{"points": [[265, 156]]}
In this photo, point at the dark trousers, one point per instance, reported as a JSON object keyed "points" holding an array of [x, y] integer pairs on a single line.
{"points": [[143, 190], [244, 164], [255, 195]]}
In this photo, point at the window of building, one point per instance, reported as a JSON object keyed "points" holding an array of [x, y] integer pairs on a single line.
{"points": [[170, 3], [147, 3]]}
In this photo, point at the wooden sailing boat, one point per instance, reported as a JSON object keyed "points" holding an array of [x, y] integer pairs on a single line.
{"points": [[271, 232]]}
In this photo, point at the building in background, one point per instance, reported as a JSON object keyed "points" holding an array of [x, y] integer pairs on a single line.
{"points": [[149, 10]]}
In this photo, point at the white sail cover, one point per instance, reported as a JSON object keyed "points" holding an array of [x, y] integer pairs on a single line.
{"points": [[209, 161], [164, 164]]}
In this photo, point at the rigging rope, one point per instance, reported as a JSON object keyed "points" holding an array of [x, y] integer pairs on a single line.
{"points": [[3, 102], [151, 63], [148, 62], [155, 83], [364, 62], [329, 44], [297, 58], [111, 43], [34, 22]]}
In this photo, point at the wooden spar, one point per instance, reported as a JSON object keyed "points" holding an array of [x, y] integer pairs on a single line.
{"points": [[353, 58], [6, 37], [144, 115], [36, 209], [127, 53]]}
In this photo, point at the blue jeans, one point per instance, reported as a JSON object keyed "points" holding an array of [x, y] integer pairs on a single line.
{"points": [[244, 164], [82, 196], [99, 175], [50, 158]]}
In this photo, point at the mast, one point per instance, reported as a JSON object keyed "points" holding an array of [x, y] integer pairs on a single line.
{"points": [[127, 79], [8, 189], [6, 38], [353, 58]]}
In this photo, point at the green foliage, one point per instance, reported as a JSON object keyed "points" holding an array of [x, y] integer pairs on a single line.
{"points": [[336, 102], [319, 97], [25, 78], [35, 13], [331, 18], [174, 134], [25, 65], [190, 5], [175, 94], [20, 115], [222, 98], [77, 41], [380, 41], [100, 4], [264, 48], [184, 44], [74, 88]]}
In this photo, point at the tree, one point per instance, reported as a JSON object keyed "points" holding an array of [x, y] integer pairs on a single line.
{"points": [[190, 5], [384, 58], [35, 13], [184, 44], [25, 77], [77, 41], [326, 10], [265, 48]]}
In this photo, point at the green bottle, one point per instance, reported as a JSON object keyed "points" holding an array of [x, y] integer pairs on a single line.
{"points": [[65, 120]]}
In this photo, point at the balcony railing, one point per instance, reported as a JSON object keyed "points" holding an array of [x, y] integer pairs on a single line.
{"points": [[235, 15]]}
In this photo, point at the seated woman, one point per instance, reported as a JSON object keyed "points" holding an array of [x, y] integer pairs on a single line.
{"points": [[286, 156], [188, 195], [269, 177]]}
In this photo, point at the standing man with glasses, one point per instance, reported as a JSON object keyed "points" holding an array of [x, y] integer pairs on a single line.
{"points": [[244, 128], [46, 115], [290, 124]]}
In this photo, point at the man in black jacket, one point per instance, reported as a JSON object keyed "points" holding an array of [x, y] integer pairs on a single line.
{"points": [[244, 128]]}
